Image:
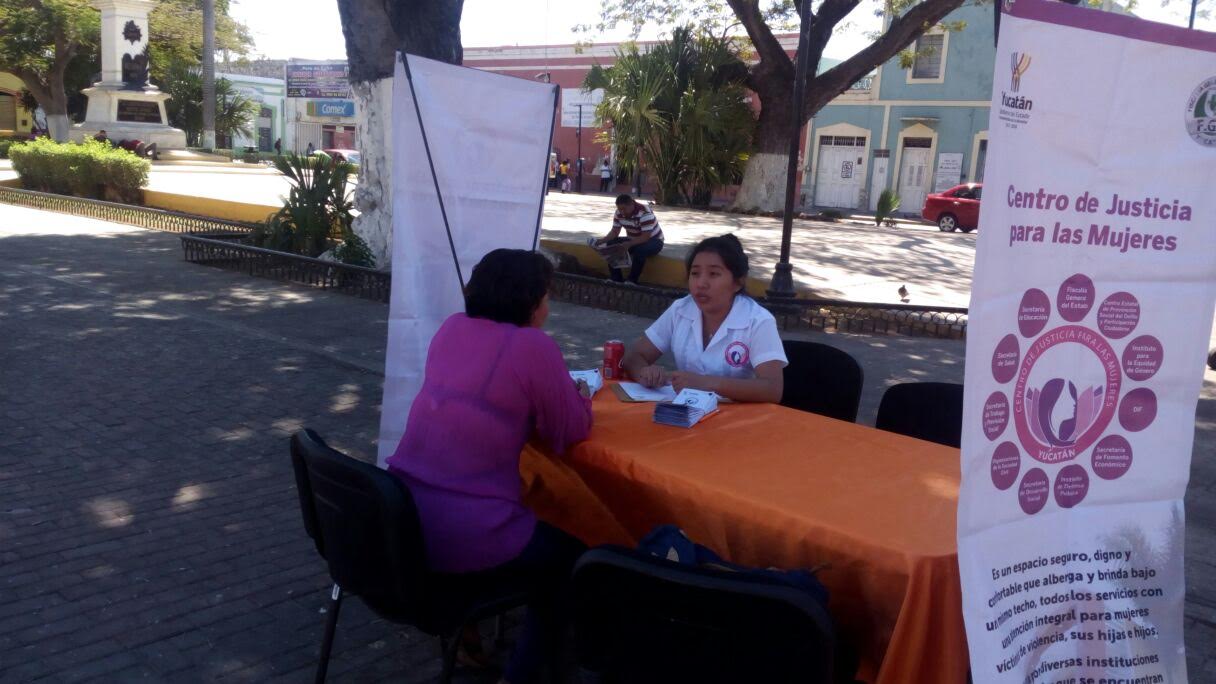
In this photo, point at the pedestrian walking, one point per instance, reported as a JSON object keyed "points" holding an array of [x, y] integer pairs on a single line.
{"points": [[605, 176], [563, 175], [278, 147]]}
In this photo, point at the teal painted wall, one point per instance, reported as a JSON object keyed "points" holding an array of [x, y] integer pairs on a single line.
{"points": [[968, 79], [969, 59]]}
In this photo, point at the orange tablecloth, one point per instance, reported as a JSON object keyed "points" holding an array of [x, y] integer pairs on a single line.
{"points": [[768, 486]]}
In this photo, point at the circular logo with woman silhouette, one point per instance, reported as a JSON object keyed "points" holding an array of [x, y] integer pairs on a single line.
{"points": [[737, 354], [1065, 381]]}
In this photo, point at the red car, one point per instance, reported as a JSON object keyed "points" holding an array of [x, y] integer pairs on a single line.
{"points": [[955, 209]]}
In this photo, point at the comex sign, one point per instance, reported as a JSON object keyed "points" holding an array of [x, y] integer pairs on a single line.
{"points": [[331, 108]]}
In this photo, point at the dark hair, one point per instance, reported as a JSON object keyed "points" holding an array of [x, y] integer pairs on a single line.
{"points": [[507, 285], [726, 246], [625, 198]]}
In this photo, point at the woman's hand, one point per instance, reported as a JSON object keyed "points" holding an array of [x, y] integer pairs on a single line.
{"points": [[681, 380], [651, 376]]}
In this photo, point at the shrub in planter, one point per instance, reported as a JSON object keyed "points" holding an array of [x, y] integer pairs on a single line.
{"points": [[317, 214], [90, 169]]}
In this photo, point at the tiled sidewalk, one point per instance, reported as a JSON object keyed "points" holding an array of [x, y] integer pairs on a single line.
{"points": [[149, 529]]}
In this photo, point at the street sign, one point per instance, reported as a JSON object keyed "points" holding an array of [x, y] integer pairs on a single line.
{"points": [[572, 98]]}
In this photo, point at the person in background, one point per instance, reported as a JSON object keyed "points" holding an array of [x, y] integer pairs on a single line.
{"points": [[605, 176], [310, 150], [563, 175], [723, 341], [278, 146], [493, 380], [102, 136], [643, 236]]}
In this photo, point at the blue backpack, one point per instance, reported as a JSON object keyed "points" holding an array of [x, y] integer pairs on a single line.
{"points": [[670, 542]]}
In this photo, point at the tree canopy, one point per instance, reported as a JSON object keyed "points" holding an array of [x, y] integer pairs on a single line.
{"points": [[771, 69], [54, 45]]}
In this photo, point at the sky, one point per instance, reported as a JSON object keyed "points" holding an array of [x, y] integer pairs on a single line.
{"points": [[311, 28]]}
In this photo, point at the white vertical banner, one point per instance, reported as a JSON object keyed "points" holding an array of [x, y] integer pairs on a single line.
{"points": [[1095, 280], [474, 145]]}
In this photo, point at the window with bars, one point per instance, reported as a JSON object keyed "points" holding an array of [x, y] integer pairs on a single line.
{"points": [[842, 140], [930, 51]]}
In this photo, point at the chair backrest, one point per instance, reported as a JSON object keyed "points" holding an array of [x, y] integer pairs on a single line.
{"points": [[822, 379], [932, 411], [639, 618], [365, 525]]}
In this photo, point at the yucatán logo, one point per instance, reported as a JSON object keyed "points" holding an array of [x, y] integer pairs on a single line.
{"points": [[1201, 113], [1015, 108]]}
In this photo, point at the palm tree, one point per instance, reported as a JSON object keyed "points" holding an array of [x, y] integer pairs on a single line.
{"points": [[680, 110]]}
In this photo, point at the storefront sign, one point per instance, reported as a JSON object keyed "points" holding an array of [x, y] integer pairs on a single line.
{"points": [[318, 80], [1090, 317], [336, 108]]}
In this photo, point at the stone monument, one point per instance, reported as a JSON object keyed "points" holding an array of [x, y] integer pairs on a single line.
{"points": [[124, 103]]}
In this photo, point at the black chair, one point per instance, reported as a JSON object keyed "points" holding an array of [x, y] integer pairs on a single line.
{"points": [[365, 525], [932, 411], [822, 379], [639, 618]]}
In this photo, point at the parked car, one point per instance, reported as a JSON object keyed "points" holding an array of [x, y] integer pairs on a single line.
{"points": [[351, 156], [955, 209]]}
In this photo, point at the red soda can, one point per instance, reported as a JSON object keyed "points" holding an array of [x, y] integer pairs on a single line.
{"points": [[614, 353]]}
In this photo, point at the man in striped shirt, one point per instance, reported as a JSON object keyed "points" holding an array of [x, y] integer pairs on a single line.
{"points": [[643, 237]]}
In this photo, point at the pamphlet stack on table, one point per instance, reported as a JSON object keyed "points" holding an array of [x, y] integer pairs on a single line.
{"points": [[689, 407]]}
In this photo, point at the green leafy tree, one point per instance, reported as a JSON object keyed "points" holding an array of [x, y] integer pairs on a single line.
{"points": [[39, 40], [680, 110], [54, 47], [771, 72], [234, 112]]}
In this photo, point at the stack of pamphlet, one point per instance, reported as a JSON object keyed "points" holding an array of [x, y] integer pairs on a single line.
{"points": [[689, 407]]}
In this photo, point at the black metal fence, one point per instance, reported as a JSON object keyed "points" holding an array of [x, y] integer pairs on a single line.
{"points": [[228, 251], [144, 217]]}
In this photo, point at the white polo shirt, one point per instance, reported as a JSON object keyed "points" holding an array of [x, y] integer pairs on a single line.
{"points": [[748, 337]]}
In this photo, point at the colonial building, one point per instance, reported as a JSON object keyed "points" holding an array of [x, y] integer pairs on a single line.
{"points": [[916, 129], [14, 119], [270, 123]]}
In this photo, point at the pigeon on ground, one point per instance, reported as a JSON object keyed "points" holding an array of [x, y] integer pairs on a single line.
{"points": [[903, 293]]}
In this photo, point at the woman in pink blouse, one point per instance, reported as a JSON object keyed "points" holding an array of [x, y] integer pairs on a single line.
{"points": [[493, 380]]}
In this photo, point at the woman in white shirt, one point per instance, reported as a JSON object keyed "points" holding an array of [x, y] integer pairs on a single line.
{"points": [[722, 340]]}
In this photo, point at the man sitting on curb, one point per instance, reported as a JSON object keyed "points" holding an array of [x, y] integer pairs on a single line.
{"points": [[643, 239]]}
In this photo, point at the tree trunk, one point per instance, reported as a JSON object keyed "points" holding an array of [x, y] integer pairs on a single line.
{"points": [[764, 181], [53, 100], [374, 32]]}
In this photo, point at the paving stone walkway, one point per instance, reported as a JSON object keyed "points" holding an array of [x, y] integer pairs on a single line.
{"points": [[149, 529]]}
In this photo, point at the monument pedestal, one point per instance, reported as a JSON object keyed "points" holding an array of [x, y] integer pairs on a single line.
{"points": [[129, 115], [124, 104]]}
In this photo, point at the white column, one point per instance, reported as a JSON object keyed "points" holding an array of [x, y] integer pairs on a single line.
{"points": [[115, 14]]}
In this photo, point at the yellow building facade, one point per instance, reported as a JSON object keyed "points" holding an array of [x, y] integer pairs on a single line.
{"points": [[14, 118]]}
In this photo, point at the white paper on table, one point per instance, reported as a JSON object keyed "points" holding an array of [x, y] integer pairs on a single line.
{"points": [[638, 392], [595, 381]]}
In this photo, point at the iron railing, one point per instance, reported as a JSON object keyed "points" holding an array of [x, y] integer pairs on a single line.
{"points": [[144, 217], [228, 251]]}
